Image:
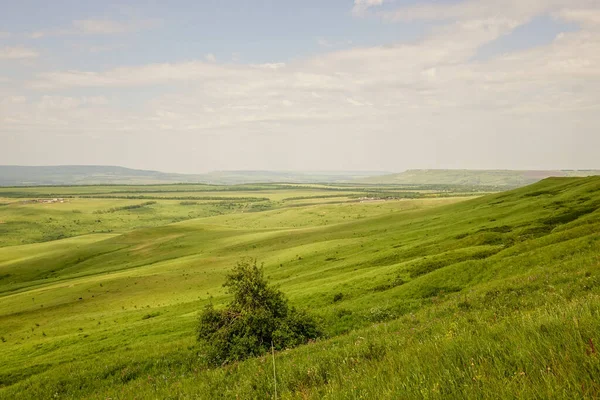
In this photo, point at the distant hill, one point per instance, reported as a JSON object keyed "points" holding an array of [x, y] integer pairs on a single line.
{"points": [[504, 178], [82, 174], [97, 174], [237, 177]]}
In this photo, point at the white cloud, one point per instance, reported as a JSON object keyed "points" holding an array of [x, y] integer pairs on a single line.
{"points": [[588, 17], [130, 76], [324, 42], [268, 65], [70, 103], [424, 100], [332, 44], [86, 47], [434, 72], [17, 52], [354, 102], [13, 100], [101, 27], [56, 115], [98, 27], [210, 58], [469, 9], [360, 6], [41, 34], [483, 9], [105, 48]]}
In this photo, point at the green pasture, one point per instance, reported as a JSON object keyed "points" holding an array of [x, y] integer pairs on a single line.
{"points": [[24, 222], [40, 214], [444, 297]]}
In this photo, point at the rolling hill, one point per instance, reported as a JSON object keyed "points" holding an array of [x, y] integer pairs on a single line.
{"points": [[497, 296]]}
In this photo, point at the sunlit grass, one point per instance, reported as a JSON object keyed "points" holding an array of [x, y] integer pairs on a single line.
{"points": [[493, 297]]}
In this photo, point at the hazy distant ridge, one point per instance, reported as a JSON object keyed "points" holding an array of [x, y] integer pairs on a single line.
{"points": [[98, 174], [507, 178]]}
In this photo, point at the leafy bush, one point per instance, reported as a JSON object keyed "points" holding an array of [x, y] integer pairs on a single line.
{"points": [[151, 315], [569, 216], [258, 317], [125, 208], [188, 203], [398, 281]]}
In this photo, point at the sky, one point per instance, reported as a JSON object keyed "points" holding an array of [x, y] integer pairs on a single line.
{"points": [[378, 85]]}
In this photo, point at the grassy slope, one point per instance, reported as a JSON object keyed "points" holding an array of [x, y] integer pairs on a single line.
{"points": [[503, 178], [497, 295], [32, 223]]}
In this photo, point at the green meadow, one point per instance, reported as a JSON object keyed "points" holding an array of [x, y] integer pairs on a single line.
{"points": [[422, 292]]}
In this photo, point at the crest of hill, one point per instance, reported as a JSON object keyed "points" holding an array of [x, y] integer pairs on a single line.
{"points": [[502, 178]]}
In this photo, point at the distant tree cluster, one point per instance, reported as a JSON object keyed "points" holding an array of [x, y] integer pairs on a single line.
{"points": [[125, 208], [257, 318]]}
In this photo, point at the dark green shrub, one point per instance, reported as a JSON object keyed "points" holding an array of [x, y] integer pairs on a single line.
{"points": [[433, 290], [569, 216], [342, 312], [373, 352], [338, 297], [464, 305], [151, 315], [398, 281], [257, 318]]}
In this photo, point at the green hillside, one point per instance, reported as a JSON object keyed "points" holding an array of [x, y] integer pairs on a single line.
{"points": [[492, 297], [502, 178]]}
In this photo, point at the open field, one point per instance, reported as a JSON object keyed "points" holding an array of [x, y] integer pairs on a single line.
{"points": [[39, 214], [441, 297], [201, 190]]}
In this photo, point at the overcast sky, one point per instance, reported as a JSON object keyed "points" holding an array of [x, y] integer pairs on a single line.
{"points": [[193, 86]]}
